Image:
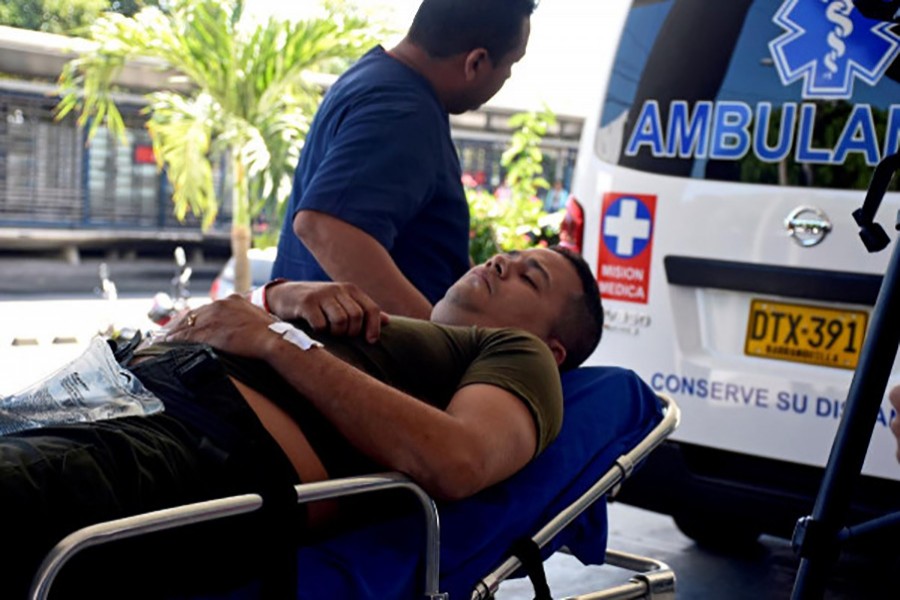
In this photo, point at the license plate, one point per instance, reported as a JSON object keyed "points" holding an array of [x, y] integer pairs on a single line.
{"points": [[803, 333]]}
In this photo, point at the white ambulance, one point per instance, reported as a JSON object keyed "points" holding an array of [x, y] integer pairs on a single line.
{"points": [[713, 195]]}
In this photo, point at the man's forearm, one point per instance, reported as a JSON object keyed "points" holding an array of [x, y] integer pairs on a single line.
{"points": [[391, 427], [485, 434], [349, 254]]}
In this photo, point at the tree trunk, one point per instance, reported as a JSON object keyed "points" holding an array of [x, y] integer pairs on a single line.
{"points": [[240, 229], [240, 243]]}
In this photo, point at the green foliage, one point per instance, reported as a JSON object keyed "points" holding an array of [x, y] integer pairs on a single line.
{"points": [[250, 105], [51, 16], [129, 8], [518, 221], [523, 159], [63, 16], [267, 236]]}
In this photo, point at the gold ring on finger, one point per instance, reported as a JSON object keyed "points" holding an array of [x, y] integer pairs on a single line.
{"points": [[191, 319]]}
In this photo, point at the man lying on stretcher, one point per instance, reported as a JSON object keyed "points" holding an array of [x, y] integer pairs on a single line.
{"points": [[458, 403]]}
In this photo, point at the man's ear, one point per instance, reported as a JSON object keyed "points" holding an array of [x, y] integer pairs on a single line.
{"points": [[476, 62], [558, 350]]}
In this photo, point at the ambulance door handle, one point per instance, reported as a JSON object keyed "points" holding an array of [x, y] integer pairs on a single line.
{"points": [[807, 225]]}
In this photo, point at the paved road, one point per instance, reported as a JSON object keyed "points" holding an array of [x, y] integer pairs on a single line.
{"points": [[26, 276], [50, 309]]}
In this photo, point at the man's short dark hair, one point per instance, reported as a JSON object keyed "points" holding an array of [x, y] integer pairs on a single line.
{"points": [[581, 326], [448, 27]]}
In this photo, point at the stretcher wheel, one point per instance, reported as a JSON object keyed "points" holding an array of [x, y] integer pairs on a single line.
{"points": [[719, 532]]}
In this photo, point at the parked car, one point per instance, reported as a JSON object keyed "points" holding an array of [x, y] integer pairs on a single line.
{"points": [[713, 196], [260, 272]]}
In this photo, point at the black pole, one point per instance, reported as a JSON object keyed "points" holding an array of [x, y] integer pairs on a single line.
{"points": [[816, 538]]}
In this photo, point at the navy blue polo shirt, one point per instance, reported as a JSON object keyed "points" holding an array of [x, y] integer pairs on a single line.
{"points": [[379, 156]]}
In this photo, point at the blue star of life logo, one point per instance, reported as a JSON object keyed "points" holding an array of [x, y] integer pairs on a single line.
{"points": [[626, 227], [828, 44]]}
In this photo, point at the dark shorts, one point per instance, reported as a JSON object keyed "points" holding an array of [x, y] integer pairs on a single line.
{"points": [[207, 443], [196, 391]]}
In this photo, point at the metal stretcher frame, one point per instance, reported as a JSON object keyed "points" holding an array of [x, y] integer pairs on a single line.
{"points": [[658, 581], [655, 580]]}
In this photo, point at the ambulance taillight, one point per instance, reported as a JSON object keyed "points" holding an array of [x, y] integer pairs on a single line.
{"points": [[571, 231]]}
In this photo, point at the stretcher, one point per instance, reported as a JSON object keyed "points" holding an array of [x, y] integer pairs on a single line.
{"points": [[462, 549]]}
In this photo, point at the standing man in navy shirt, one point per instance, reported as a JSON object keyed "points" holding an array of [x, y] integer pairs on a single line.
{"points": [[377, 198]]}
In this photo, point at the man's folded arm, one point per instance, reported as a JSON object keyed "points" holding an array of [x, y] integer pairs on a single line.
{"points": [[485, 435]]}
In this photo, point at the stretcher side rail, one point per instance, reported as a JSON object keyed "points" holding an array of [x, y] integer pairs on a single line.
{"points": [[621, 470], [220, 508]]}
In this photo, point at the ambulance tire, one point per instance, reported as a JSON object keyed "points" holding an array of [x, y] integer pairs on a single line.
{"points": [[718, 532]]}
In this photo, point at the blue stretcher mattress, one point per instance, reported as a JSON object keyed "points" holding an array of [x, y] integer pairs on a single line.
{"points": [[607, 411]]}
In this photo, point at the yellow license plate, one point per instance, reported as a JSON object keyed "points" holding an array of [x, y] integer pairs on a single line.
{"points": [[802, 333]]}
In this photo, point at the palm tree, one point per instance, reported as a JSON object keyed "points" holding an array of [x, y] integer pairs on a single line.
{"points": [[249, 103]]}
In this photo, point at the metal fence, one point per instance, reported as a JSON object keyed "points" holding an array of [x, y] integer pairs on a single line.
{"points": [[51, 177]]}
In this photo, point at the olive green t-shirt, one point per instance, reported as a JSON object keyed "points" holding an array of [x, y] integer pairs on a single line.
{"points": [[429, 362]]}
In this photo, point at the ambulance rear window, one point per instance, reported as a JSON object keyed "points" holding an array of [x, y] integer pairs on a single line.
{"points": [[789, 92]]}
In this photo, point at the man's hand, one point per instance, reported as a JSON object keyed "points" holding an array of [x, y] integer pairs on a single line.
{"points": [[338, 308], [233, 325], [348, 253]]}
